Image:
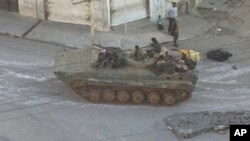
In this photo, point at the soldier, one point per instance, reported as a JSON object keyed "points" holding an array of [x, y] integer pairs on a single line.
{"points": [[138, 55], [104, 58], [118, 60], [175, 31], [156, 45], [181, 67]]}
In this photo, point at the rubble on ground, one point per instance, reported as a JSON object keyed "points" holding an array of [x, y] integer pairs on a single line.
{"points": [[187, 125]]}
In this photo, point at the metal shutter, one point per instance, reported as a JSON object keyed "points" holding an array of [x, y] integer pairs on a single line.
{"points": [[135, 9]]}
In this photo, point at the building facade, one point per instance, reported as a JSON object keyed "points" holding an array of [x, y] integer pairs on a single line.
{"points": [[105, 13]]}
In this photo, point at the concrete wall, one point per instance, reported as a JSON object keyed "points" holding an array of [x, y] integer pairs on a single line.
{"points": [[123, 11], [4, 5], [157, 7], [198, 2], [32, 8], [69, 11], [102, 15], [106, 12]]}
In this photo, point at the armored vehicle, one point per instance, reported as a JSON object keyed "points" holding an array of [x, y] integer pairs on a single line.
{"points": [[112, 75]]}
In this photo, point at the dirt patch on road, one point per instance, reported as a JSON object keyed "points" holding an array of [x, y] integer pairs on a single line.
{"points": [[234, 3], [220, 30], [219, 14]]}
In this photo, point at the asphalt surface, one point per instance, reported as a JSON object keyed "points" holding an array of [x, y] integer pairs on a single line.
{"points": [[34, 105]]}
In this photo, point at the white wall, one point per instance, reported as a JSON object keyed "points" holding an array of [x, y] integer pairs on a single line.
{"points": [[102, 15], [123, 11], [157, 7], [68, 11], [32, 8]]}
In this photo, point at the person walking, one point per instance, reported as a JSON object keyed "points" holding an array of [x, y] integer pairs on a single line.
{"points": [[174, 30], [171, 15]]}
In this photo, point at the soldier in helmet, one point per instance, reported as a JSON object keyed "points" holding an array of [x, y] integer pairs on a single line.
{"points": [[104, 58], [156, 45], [181, 67], [118, 60], [138, 55]]}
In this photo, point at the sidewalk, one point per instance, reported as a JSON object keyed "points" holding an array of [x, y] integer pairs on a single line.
{"points": [[139, 32], [14, 24]]}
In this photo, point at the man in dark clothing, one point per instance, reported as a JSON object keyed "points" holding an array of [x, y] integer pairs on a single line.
{"points": [[138, 55], [104, 58], [156, 45], [175, 31]]}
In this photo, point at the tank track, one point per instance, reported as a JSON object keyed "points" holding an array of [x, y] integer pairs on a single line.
{"points": [[128, 95]]}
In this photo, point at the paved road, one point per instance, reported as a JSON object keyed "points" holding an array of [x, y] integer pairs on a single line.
{"points": [[34, 105]]}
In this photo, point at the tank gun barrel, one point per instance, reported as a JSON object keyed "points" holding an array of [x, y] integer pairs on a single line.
{"points": [[107, 48]]}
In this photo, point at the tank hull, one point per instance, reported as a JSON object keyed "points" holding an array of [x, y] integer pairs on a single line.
{"points": [[122, 85]]}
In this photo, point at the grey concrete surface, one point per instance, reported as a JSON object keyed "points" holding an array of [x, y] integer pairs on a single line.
{"points": [[139, 32], [220, 5], [34, 105], [14, 24], [62, 33], [243, 18]]}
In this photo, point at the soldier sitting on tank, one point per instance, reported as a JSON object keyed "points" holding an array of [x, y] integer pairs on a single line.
{"points": [[114, 61], [156, 48], [156, 45], [160, 63], [104, 58], [138, 55], [117, 60], [189, 62], [181, 67], [160, 67]]}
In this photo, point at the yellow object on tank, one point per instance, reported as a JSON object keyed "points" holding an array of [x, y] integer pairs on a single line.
{"points": [[195, 56], [190, 54]]}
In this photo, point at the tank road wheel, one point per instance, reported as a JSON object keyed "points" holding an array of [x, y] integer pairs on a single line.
{"points": [[169, 99], [94, 95], [137, 97], [153, 98], [108, 95], [123, 96]]}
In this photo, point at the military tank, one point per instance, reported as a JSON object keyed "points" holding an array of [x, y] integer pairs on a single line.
{"points": [[128, 81]]}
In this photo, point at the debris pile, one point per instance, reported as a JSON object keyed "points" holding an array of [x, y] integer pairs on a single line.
{"points": [[187, 125]]}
